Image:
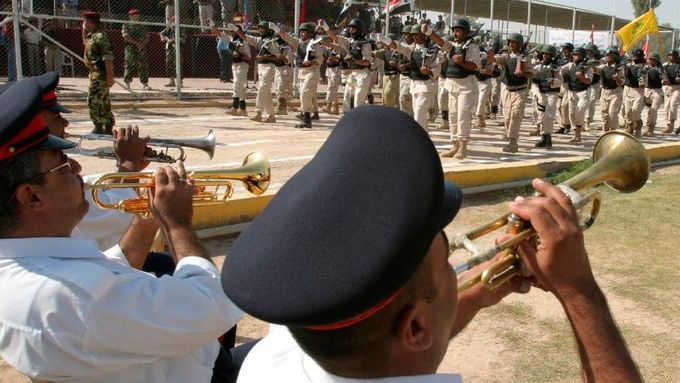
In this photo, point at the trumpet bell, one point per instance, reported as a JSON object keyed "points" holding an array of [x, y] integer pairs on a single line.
{"points": [[629, 157]]}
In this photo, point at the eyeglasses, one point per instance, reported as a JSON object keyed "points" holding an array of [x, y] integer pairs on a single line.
{"points": [[64, 163]]}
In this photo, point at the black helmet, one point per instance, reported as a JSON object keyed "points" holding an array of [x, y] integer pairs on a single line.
{"points": [[612, 51], [392, 36], [264, 24], [462, 24], [638, 52], [581, 51], [673, 53], [358, 24], [568, 46]]}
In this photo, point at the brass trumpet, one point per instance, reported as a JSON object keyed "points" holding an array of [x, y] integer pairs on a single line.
{"points": [[619, 161], [206, 144], [255, 175]]}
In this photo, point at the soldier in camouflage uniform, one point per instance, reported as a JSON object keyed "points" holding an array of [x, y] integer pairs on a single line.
{"points": [[99, 60], [136, 36], [167, 36]]}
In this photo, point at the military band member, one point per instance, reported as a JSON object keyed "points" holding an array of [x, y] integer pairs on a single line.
{"points": [[308, 60], [390, 95], [515, 71], [98, 58], [566, 50], [359, 57], [267, 54], [405, 100], [464, 61], [612, 77], [672, 82], [332, 56], [651, 79], [548, 80], [578, 76], [240, 63], [136, 37], [633, 94]]}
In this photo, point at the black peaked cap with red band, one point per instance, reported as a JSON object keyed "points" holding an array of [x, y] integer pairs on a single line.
{"points": [[48, 83], [22, 128], [343, 236]]}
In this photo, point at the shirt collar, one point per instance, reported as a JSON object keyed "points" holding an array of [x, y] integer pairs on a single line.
{"points": [[55, 247]]}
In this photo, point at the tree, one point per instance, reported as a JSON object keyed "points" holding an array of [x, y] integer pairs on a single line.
{"points": [[642, 6]]}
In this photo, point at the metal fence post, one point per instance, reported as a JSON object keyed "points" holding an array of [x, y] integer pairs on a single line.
{"points": [[178, 53], [17, 40]]}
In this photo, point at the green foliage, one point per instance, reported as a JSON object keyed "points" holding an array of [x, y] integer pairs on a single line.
{"points": [[569, 172], [642, 6]]}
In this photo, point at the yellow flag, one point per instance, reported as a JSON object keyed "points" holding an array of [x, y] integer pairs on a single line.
{"points": [[634, 31]]}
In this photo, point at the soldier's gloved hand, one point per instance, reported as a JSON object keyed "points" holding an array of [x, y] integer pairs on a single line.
{"points": [[231, 27], [425, 28], [323, 25], [274, 28]]}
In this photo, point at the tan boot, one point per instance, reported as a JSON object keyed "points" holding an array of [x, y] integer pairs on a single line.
{"points": [[444, 125], [481, 122], [462, 151], [577, 135], [669, 128], [536, 132], [328, 108], [451, 152], [512, 146], [270, 119], [638, 129], [257, 117], [649, 132], [281, 107], [336, 108]]}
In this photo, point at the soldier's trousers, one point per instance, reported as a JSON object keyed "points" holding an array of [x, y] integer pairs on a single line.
{"points": [[422, 93], [334, 79], [514, 103], [391, 90], [362, 87], [634, 99], [240, 71], [405, 100], [309, 81], [546, 106], [463, 98], [99, 103], [578, 106], [610, 105], [595, 94], [563, 106], [672, 102], [136, 61], [442, 95], [484, 97], [654, 97], [264, 102], [171, 62], [284, 81], [495, 92]]}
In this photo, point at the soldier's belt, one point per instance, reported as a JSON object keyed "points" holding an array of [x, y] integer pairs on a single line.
{"points": [[515, 89]]}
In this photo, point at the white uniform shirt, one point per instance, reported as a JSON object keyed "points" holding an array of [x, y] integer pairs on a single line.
{"points": [[73, 314], [278, 358]]}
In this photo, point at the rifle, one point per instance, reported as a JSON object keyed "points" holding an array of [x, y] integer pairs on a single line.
{"points": [[471, 36]]}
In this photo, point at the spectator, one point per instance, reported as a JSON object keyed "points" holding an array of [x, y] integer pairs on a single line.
{"points": [[52, 51], [440, 26], [70, 9], [33, 44], [7, 42], [225, 60]]}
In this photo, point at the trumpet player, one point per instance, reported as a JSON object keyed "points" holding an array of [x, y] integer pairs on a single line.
{"points": [[578, 76], [516, 70]]}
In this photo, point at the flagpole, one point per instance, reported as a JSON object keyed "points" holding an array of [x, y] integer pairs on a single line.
{"points": [[387, 16]]}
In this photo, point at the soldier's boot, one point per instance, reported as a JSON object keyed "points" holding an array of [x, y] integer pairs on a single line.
{"points": [[146, 86], [370, 99], [481, 122], [669, 127], [270, 119], [512, 146], [630, 127], [336, 108], [315, 116], [494, 111], [432, 114], [127, 85], [257, 117], [649, 132], [306, 122], [577, 135], [171, 83], [564, 129], [545, 142], [98, 129], [462, 151], [588, 122], [677, 131], [281, 107], [328, 108], [605, 126], [454, 149], [108, 129], [242, 108], [536, 132], [638, 129], [234, 107], [444, 125]]}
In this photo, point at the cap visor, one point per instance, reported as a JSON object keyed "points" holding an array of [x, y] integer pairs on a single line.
{"points": [[54, 142], [453, 198], [59, 108]]}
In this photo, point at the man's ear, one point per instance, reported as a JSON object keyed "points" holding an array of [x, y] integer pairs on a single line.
{"points": [[29, 198], [414, 327]]}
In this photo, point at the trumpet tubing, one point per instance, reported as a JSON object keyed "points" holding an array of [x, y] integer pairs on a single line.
{"points": [[619, 161]]}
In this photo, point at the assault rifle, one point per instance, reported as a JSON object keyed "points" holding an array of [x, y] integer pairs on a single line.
{"points": [[471, 37]]}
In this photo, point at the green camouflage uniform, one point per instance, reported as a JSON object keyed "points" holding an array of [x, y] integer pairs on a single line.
{"points": [[98, 50], [168, 35], [135, 58]]}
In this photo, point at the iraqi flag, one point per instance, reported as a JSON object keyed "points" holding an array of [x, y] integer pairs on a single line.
{"points": [[400, 6]]}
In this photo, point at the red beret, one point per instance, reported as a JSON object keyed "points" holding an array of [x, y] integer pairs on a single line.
{"points": [[133, 11], [91, 15]]}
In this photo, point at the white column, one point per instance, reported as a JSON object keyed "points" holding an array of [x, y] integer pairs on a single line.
{"points": [[491, 15], [529, 17], [573, 26], [611, 31], [453, 10], [297, 17], [17, 39]]}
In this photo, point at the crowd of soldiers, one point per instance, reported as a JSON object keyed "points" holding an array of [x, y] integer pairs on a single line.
{"points": [[428, 75]]}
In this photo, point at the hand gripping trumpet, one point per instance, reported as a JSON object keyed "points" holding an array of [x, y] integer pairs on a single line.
{"points": [[619, 160], [255, 175]]}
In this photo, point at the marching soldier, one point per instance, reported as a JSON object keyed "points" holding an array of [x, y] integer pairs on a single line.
{"points": [[442, 92], [671, 80], [308, 59], [533, 92], [332, 56], [516, 70], [612, 77], [167, 36], [464, 62], [390, 94], [593, 60], [495, 96], [240, 63], [267, 54], [405, 100], [423, 59], [651, 80], [484, 83], [566, 49], [359, 57], [578, 76], [136, 36], [633, 94], [284, 76], [99, 61], [548, 80]]}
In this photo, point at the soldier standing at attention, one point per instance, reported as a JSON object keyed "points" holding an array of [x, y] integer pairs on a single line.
{"points": [[548, 79], [672, 82], [267, 54], [611, 75], [515, 71], [461, 83], [136, 36], [99, 61]]}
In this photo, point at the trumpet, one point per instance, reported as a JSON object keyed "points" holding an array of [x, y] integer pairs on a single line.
{"points": [[206, 144], [254, 173], [619, 161]]}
